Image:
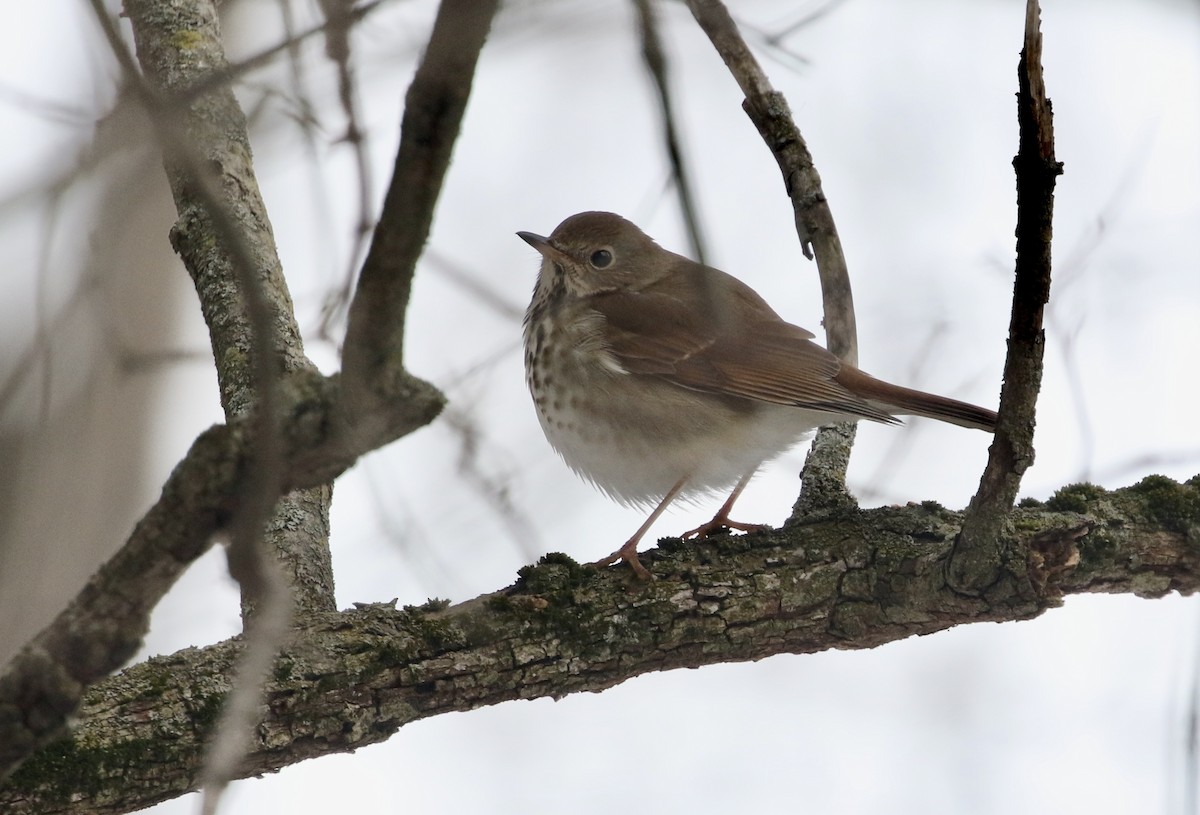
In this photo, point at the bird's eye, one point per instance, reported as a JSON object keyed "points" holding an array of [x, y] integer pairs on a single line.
{"points": [[601, 258]]}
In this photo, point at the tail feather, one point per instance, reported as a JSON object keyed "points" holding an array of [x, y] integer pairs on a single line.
{"points": [[906, 401]]}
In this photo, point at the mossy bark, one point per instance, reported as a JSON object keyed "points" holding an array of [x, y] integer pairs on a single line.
{"points": [[858, 580]]}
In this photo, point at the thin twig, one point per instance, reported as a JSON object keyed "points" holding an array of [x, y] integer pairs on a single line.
{"points": [[656, 62], [266, 633], [227, 74], [433, 111], [825, 469], [769, 111], [340, 17]]}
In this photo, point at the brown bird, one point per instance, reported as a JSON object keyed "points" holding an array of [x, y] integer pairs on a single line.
{"points": [[656, 377]]}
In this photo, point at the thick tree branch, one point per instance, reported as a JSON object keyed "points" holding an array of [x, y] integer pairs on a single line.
{"points": [[207, 153], [977, 565], [224, 237], [857, 581], [103, 626], [41, 688]]}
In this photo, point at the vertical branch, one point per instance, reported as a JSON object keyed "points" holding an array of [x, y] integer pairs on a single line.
{"points": [[372, 360], [656, 63], [238, 277], [825, 469], [979, 558], [340, 19], [248, 322], [224, 236], [770, 113]]}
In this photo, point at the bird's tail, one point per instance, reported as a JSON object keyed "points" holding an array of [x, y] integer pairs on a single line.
{"points": [[908, 402]]}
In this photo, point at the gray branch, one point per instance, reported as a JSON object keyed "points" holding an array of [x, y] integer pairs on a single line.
{"points": [[179, 48], [350, 679], [824, 476]]}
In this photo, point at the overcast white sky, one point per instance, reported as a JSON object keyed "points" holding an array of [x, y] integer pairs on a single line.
{"points": [[909, 111]]}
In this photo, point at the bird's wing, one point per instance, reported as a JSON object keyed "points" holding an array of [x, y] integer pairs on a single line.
{"points": [[748, 351]]}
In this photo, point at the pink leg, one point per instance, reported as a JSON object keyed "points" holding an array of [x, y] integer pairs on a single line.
{"points": [[721, 520], [628, 552]]}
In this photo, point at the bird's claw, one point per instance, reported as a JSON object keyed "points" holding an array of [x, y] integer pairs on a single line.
{"points": [[718, 524], [627, 553]]}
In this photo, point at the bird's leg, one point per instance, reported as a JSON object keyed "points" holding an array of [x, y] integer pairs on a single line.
{"points": [[722, 520], [628, 551]]}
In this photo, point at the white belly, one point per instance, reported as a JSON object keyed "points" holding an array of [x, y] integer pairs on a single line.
{"points": [[635, 437]]}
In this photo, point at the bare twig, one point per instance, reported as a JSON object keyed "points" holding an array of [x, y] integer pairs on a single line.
{"points": [[433, 109], [476, 285], [825, 469], [814, 221], [266, 633], [493, 489], [656, 63], [308, 119], [227, 73], [340, 17], [978, 560]]}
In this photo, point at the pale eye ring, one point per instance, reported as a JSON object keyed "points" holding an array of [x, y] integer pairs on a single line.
{"points": [[601, 258]]}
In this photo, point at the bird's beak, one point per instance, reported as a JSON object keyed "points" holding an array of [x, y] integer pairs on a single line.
{"points": [[548, 250]]}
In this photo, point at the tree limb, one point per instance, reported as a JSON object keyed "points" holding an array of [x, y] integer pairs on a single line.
{"points": [[856, 581], [433, 111], [769, 111], [101, 628], [223, 236], [977, 565]]}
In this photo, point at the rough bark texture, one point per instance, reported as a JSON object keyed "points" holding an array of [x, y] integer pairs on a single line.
{"points": [[224, 238], [977, 565], [859, 580]]}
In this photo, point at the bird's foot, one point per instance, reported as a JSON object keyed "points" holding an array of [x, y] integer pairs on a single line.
{"points": [[718, 523], [627, 553]]}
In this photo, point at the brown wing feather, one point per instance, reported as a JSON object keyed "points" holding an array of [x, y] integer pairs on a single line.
{"points": [[756, 356], [649, 333]]}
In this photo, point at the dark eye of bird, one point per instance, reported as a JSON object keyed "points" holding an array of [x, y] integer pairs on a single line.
{"points": [[601, 258]]}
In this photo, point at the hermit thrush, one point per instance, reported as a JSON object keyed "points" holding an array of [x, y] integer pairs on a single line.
{"points": [[655, 377]]}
